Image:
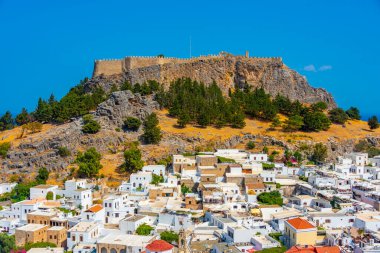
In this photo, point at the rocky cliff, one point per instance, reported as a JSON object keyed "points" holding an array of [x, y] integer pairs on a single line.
{"points": [[227, 71]]}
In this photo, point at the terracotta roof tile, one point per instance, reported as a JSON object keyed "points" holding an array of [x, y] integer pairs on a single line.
{"points": [[95, 208], [159, 246], [312, 249], [299, 223]]}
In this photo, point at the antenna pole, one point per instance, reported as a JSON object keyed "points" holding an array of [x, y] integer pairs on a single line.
{"points": [[190, 47]]}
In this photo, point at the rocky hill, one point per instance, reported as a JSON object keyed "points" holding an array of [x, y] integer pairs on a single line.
{"points": [[41, 149], [226, 70]]}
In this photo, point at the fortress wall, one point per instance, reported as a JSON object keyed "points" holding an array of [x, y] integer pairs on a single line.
{"points": [[118, 66], [108, 67]]}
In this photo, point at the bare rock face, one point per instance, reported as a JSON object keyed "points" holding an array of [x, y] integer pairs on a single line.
{"points": [[228, 71], [121, 104]]}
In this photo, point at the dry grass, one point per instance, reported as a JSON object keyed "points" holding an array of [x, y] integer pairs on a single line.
{"points": [[354, 129], [13, 135]]}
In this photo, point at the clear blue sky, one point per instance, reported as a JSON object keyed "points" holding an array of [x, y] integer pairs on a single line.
{"points": [[48, 46]]}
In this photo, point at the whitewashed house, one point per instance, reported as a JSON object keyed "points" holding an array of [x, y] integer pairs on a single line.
{"points": [[94, 213], [40, 191], [83, 232], [130, 223], [6, 187]]}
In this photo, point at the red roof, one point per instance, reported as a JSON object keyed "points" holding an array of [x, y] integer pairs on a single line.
{"points": [[95, 208], [159, 246], [312, 249], [299, 223]]}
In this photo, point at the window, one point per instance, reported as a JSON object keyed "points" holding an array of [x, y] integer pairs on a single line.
{"points": [[328, 221], [73, 238]]}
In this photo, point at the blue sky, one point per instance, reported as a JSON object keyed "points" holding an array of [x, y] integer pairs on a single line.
{"points": [[48, 46]]}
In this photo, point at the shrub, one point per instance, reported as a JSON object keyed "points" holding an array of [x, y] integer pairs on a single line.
{"points": [[64, 151], [185, 189], [144, 229], [90, 126], [132, 123], [156, 179], [169, 236], [270, 198], [50, 196], [4, 147], [250, 145], [373, 123], [319, 153], [225, 160], [29, 246]]}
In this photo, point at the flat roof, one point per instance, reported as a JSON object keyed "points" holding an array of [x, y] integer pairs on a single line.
{"points": [[44, 186], [56, 228], [31, 227], [130, 240], [83, 226]]}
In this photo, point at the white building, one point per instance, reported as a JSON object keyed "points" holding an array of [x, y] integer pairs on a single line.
{"points": [[258, 157], [141, 180], [158, 170], [332, 220], [118, 206], [40, 191], [94, 213], [8, 225], [128, 243], [83, 232], [6, 187], [359, 159], [129, 224]]}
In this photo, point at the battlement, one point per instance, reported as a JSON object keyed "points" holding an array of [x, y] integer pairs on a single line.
{"points": [[118, 66]]}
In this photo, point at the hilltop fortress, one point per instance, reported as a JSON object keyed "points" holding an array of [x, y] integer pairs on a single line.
{"points": [[225, 69]]}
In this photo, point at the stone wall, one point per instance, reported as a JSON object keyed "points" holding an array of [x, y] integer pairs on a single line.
{"points": [[108, 67]]}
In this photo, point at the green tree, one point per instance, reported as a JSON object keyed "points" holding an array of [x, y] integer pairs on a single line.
{"points": [[185, 189], [126, 86], [353, 113], [319, 153], [338, 116], [152, 132], [50, 196], [270, 198], [133, 162], [319, 107], [132, 124], [275, 122], [316, 121], [4, 147], [6, 121], [250, 145], [373, 123], [42, 176], [169, 236], [90, 126], [29, 246], [144, 229], [89, 163], [23, 117], [183, 119], [7, 243], [293, 123], [156, 179]]}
